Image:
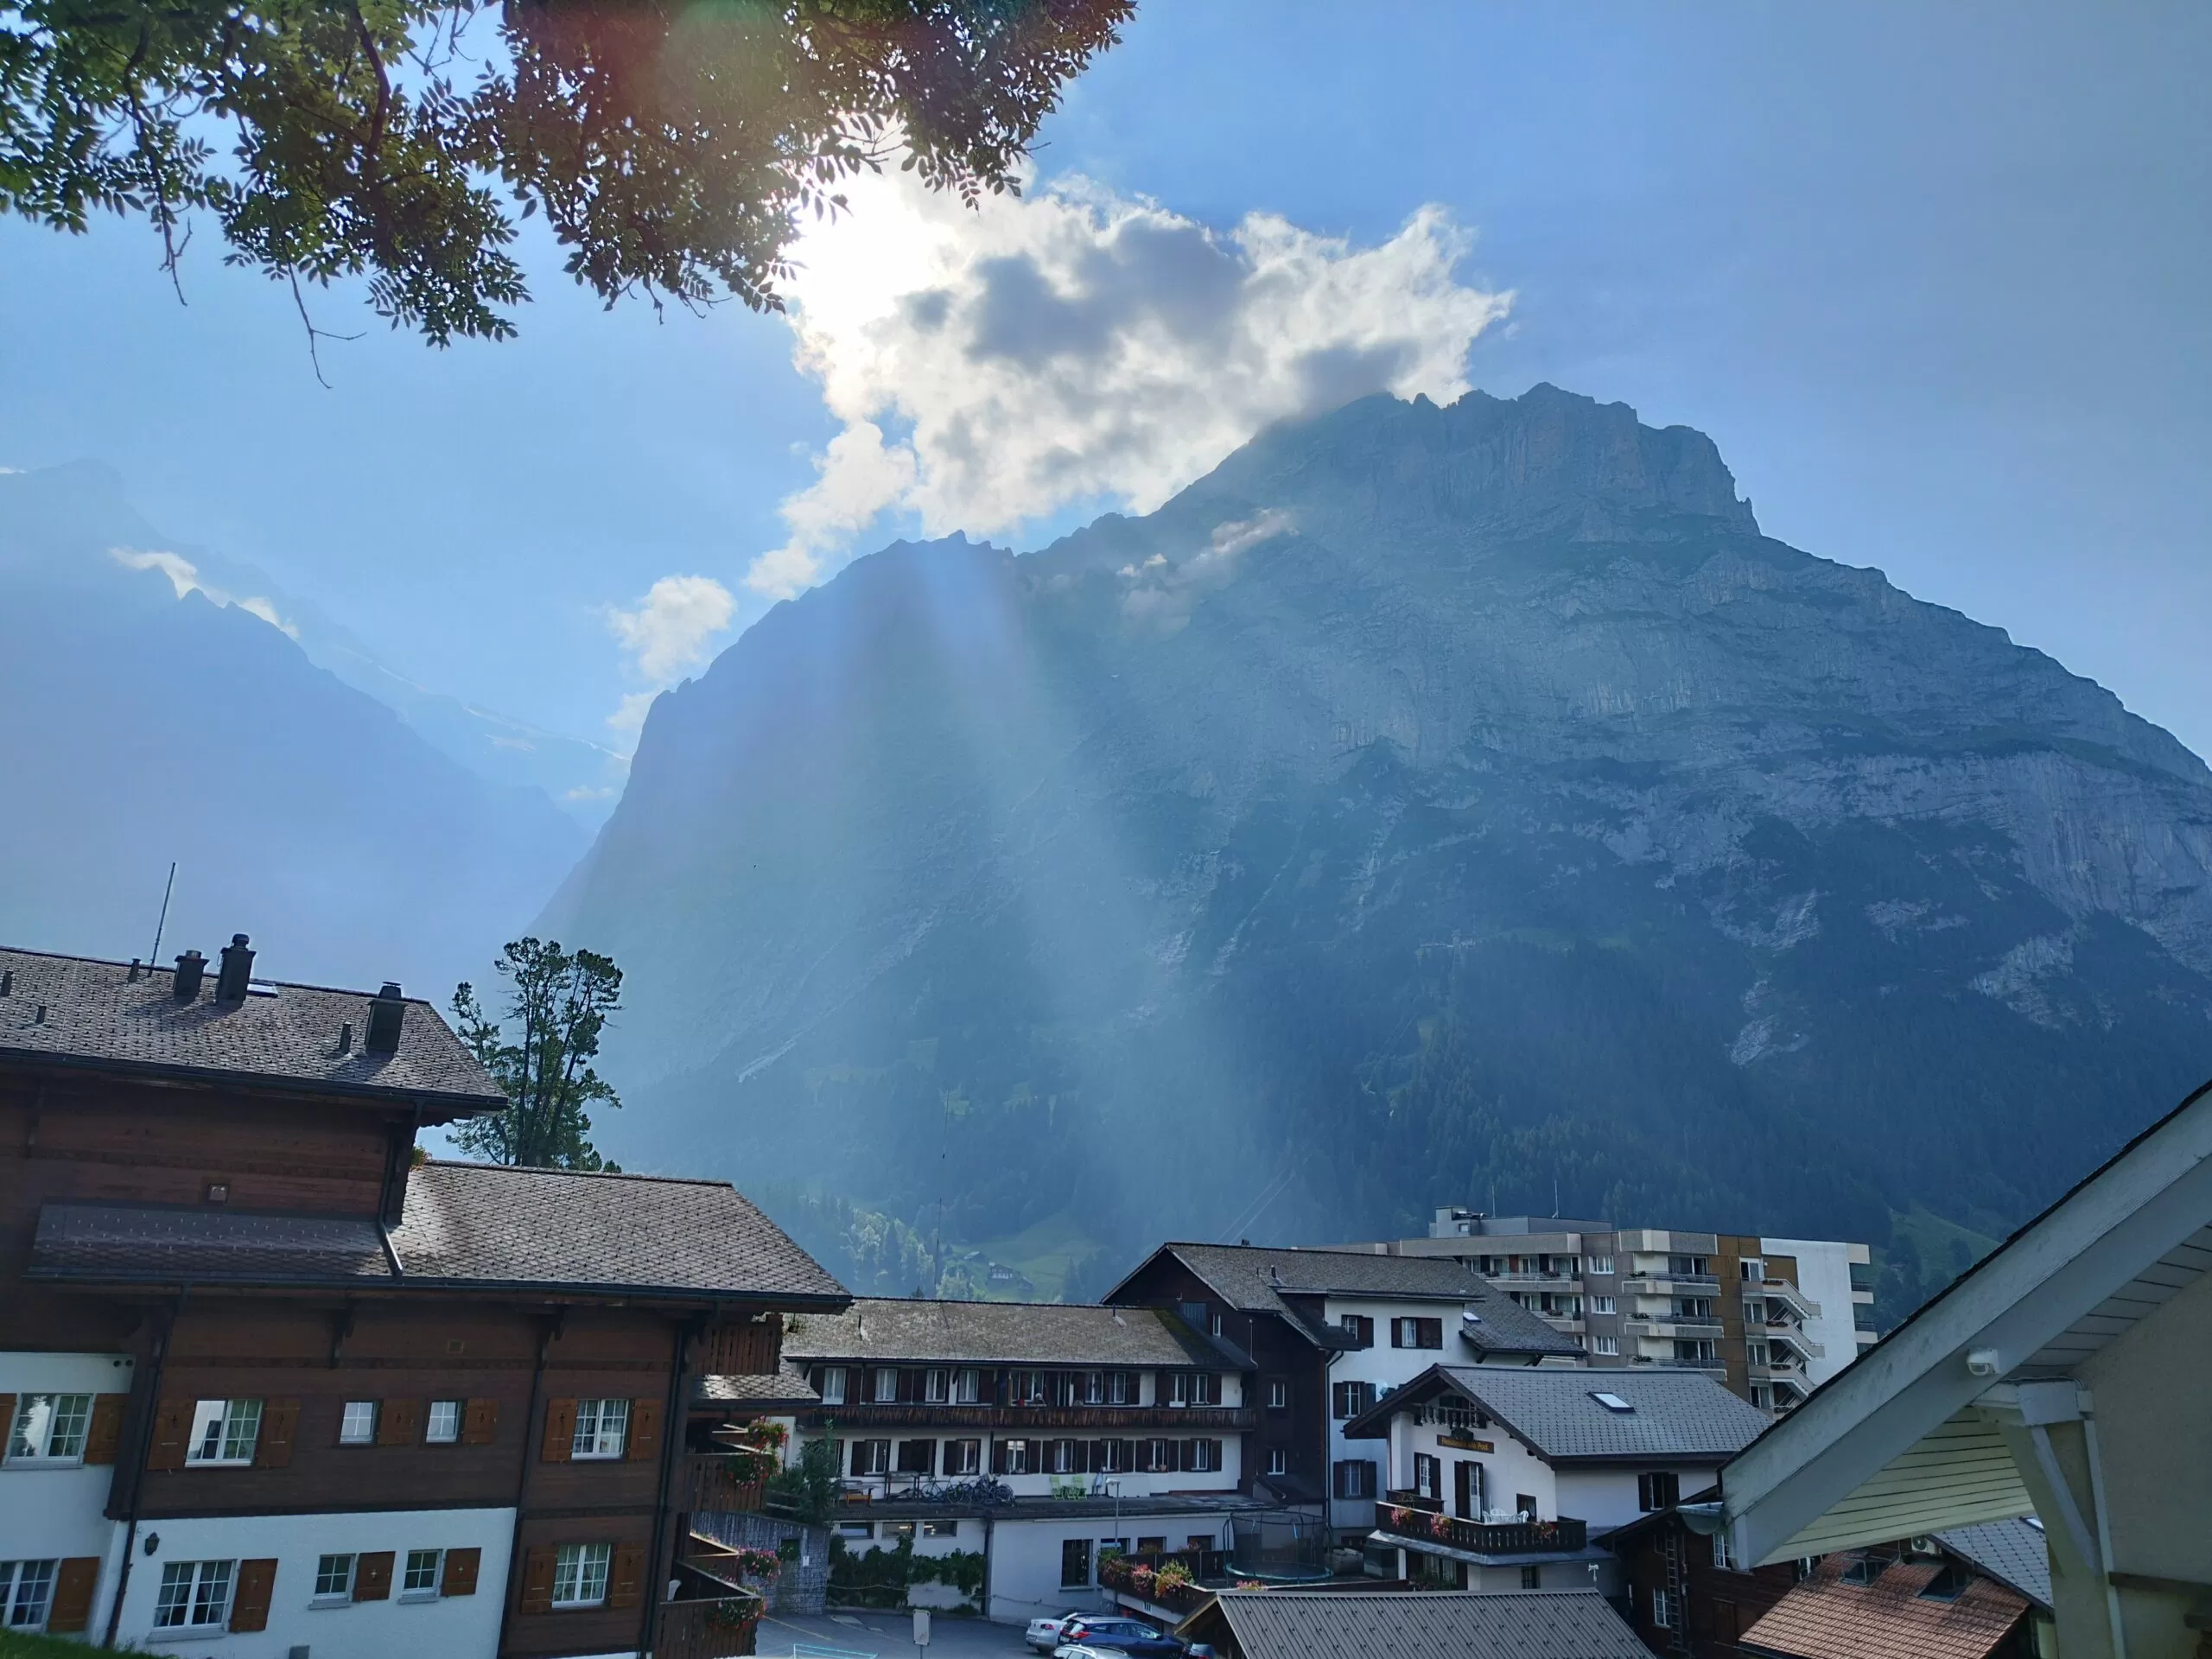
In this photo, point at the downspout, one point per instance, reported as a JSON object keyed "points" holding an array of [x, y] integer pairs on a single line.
{"points": [[2104, 1528], [140, 1451], [551, 1329], [672, 1445]]}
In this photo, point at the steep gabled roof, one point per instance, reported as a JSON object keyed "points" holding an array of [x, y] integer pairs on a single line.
{"points": [[2014, 1553], [895, 1329], [79, 1011], [1253, 1279], [1415, 1624], [466, 1226], [1673, 1417], [1828, 1618]]}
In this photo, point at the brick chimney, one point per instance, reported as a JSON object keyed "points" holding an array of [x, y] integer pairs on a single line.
{"points": [[387, 1012], [237, 971]]}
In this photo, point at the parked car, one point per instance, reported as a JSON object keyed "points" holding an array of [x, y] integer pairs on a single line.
{"points": [[1121, 1636], [1046, 1633]]}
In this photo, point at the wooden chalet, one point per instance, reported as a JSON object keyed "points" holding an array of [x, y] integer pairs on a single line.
{"points": [[266, 1371]]}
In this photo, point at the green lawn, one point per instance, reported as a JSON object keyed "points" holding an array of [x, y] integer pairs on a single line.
{"points": [[1044, 1253], [37, 1647]]}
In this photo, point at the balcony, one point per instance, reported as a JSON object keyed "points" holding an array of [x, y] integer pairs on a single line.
{"points": [[1794, 1336], [1781, 1290], [711, 1615], [717, 1481], [1081, 1419], [1668, 1284], [1423, 1526], [1687, 1330], [1172, 1580]]}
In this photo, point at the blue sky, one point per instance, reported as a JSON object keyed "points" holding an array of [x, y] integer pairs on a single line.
{"points": [[1933, 278]]}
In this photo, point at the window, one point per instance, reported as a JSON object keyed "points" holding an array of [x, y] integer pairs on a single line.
{"points": [[1354, 1478], [871, 1457], [966, 1386], [918, 1457], [1278, 1461], [1359, 1327], [1756, 1352], [1416, 1333], [1601, 1264], [1601, 1304], [1754, 1270], [832, 1385], [1701, 1350], [1159, 1456], [580, 1575], [194, 1595], [1428, 1476], [1214, 1325], [1075, 1563], [333, 1578], [1013, 1458], [1862, 1569], [358, 1426], [49, 1427], [1348, 1400], [1109, 1457], [27, 1593], [940, 1529], [1659, 1491], [856, 1529], [963, 1457], [1949, 1585], [1721, 1558], [444, 1427], [1532, 1577], [1664, 1612], [1612, 1401], [1693, 1307], [1610, 1346], [1024, 1388], [420, 1576], [1121, 1387], [223, 1432], [886, 1385], [1278, 1394], [1202, 1457], [937, 1387], [1063, 1456], [1195, 1388], [603, 1428], [1688, 1266], [1762, 1396]]}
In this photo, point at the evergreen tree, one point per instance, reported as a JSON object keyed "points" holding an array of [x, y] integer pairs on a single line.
{"points": [[540, 1055]]}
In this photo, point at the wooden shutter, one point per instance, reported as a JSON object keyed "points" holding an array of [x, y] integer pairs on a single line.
{"points": [[399, 1422], [172, 1435], [280, 1426], [560, 1443], [998, 1456], [644, 1431], [72, 1607], [372, 1576], [7, 1421], [105, 1433], [461, 1566], [624, 1579], [249, 1602], [480, 1423], [538, 1580]]}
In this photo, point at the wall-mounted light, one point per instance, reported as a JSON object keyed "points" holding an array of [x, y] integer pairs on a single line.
{"points": [[153, 1541]]}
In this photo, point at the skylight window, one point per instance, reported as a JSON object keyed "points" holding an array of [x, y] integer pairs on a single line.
{"points": [[1611, 1401]]}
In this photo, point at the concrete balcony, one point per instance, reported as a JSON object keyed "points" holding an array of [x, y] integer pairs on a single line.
{"points": [[1670, 1284], [1685, 1330], [1781, 1290], [1794, 1336]]}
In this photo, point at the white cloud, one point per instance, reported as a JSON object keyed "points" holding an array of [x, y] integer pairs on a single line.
{"points": [[992, 367], [184, 578], [668, 633], [1164, 592]]}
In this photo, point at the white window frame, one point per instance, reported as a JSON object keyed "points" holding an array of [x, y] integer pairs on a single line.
{"points": [[1663, 1611], [1278, 1394], [198, 1593], [1278, 1461], [340, 1597], [357, 1423], [602, 1434], [414, 1564], [937, 1387], [971, 1458], [833, 1385], [1599, 1266], [442, 1426], [1602, 1305], [27, 1594], [1608, 1346], [582, 1571], [41, 1419], [886, 1391], [224, 1434], [1721, 1558], [967, 1385]]}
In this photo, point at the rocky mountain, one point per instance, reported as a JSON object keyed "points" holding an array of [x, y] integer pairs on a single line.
{"points": [[1432, 804], [158, 707]]}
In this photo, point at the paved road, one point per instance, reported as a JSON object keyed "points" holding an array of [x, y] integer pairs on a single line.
{"points": [[889, 1635]]}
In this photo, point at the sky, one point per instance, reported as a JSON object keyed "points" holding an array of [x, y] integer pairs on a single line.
{"points": [[1932, 277]]}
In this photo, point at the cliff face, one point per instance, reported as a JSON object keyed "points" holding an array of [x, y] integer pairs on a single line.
{"points": [[1430, 805]]}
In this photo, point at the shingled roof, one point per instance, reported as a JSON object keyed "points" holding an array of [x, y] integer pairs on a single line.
{"points": [[1039, 1333], [1414, 1624], [465, 1226], [1673, 1415], [1256, 1279], [2014, 1553], [79, 1011]]}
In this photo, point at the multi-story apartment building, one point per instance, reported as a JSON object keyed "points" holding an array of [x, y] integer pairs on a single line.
{"points": [[1034, 1436], [269, 1377], [1773, 1318], [1325, 1333]]}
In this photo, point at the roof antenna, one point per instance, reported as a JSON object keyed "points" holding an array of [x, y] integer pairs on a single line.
{"points": [[161, 926]]}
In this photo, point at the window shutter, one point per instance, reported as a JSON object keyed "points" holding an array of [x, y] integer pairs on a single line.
{"points": [[622, 1578], [249, 1602], [105, 1433], [399, 1422], [8, 1419], [461, 1569], [71, 1608], [172, 1429], [372, 1576], [480, 1423], [644, 1431], [279, 1426], [998, 1456], [1213, 1450], [560, 1442], [538, 1580]]}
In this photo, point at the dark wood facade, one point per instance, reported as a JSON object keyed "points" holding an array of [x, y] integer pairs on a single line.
{"points": [[1665, 1565]]}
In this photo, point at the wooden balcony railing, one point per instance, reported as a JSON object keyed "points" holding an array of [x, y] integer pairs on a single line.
{"points": [[711, 1616], [1140, 1576], [712, 1483], [1418, 1526], [1086, 1420]]}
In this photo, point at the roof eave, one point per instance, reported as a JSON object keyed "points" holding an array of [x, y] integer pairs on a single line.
{"points": [[452, 1106], [544, 1289]]}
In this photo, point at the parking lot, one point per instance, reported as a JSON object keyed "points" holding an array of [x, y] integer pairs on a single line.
{"points": [[887, 1636]]}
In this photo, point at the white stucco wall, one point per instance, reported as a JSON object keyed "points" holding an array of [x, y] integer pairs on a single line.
{"points": [[1387, 1368], [1824, 1274], [50, 1511], [461, 1627], [1025, 1582]]}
